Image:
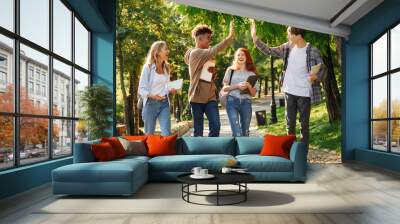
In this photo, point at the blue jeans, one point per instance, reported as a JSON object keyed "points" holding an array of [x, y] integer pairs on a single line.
{"points": [[239, 114], [156, 109], [212, 113]]}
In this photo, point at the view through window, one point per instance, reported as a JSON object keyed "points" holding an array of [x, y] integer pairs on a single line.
{"points": [[50, 59], [385, 95]]}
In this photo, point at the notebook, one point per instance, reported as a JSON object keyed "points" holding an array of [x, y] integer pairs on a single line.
{"points": [[252, 80]]}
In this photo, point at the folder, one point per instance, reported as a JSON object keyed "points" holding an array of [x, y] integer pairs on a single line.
{"points": [[205, 74], [177, 84]]}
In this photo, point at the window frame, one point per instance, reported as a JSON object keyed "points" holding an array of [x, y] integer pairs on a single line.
{"points": [[16, 114], [388, 74]]}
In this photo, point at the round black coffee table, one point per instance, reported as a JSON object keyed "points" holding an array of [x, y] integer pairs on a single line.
{"points": [[238, 179]]}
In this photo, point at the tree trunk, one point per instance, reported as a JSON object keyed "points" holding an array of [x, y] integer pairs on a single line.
{"points": [[338, 43], [129, 123], [134, 84], [338, 62], [279, 86], [333, 99], [266, 85]]}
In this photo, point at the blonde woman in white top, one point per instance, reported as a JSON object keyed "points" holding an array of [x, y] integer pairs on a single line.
{"points": [[154, 91]]}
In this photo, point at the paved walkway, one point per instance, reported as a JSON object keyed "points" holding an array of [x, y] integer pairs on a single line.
{"points": [[262, 103]]}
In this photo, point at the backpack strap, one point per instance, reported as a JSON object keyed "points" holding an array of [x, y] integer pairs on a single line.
{"points": [[230, 79]]}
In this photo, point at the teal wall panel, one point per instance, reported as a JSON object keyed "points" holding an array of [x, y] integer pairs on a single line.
{"points": [[356, 98], [100, 17]]}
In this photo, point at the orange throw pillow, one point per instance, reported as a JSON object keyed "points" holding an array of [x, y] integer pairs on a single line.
{"points": [[116, 145], [135, 137], [161, 145], [277, 145], [103, 152]]}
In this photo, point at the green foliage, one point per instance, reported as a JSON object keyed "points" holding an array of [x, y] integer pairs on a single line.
{"points": [[323, 135], [97, 103], [140, 23]]}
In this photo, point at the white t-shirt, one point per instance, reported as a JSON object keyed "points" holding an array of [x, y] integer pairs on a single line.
{"points": [[159, 85], [296, 75]]}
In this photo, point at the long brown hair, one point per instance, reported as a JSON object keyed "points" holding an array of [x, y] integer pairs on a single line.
{"points": [[250, 66]]}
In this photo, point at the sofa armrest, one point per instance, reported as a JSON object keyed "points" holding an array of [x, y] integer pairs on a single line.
{"points": [[298, 155], [83, 152]]}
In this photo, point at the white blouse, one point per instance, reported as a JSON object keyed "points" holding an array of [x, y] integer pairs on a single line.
{"points": [[159, 85]]}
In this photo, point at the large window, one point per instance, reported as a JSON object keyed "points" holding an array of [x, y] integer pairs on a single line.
{"points": [[44, 65], [34, 22], [385, 94], [7, 14]]}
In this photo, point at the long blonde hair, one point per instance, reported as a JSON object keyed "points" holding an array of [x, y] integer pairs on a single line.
{"points": [[154, 51]]}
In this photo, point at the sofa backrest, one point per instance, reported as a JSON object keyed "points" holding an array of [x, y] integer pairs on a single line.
{"points": [[83, 153], [249, 145], [189, 146], [206, 145]]}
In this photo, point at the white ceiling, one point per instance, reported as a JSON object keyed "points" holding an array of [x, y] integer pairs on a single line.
{"points": [[316, 15], [325, 11]]}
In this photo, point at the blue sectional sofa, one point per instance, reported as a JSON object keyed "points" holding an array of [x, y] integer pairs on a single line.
{"points": [[125, 176]]}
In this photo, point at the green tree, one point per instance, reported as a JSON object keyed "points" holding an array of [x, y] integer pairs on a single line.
{"points": [[139, 24]]}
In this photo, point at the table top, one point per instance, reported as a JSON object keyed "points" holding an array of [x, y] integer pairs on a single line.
{"points": [[220, 178]]}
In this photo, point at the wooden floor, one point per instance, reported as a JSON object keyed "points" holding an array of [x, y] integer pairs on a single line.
{"points": [[379, 190]]}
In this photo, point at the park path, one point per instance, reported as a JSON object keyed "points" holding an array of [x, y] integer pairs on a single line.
{"points": [[262, 103]]}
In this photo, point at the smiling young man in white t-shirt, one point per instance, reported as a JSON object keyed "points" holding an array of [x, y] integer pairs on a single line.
{"points": [[300, 85]]}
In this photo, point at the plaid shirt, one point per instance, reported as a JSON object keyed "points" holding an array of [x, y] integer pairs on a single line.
{"points": [[313, 58]]}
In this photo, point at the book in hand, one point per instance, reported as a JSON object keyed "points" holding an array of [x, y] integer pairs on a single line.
{"points": [[205, 74], [252, 80], [315, 68], [177, 84]]}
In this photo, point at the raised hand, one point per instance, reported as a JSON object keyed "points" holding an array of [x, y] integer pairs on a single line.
{"points": [[232, 29], [253, 29]]}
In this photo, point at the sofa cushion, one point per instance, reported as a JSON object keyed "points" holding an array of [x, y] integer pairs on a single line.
{"points": [[185, 163], [103, 152], [133, 157], [257, 163], [161, 145], [116, 145], [134, 147], [112, 171], [135, 137], [277, 145], [206, 145], [249, 145]]}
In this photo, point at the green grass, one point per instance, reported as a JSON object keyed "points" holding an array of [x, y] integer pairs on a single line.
{"points": [[323, 135]]}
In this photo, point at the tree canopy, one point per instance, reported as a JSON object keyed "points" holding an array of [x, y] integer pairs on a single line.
{"points": [[140, 23]]}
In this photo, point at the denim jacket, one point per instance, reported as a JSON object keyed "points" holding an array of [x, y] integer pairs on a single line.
{"points": [[146, 80]]}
